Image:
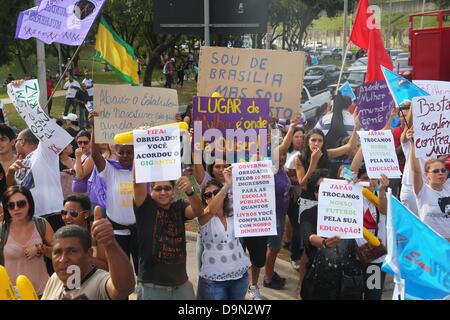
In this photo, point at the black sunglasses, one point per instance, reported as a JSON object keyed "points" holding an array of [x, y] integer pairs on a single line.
{"points": [[73, 213], [436, 171], [165, 188], [20, 204], [208, 195]]}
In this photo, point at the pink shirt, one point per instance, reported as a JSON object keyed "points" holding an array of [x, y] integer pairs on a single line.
{"points": [[16, 263]]}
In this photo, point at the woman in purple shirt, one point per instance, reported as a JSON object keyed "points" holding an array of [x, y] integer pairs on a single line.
{"points": [[83, 162]]}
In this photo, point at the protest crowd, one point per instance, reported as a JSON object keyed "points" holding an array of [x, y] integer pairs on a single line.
{"points": [[91, 210]]}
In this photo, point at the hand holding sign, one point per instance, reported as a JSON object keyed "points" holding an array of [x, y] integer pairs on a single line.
{"points": [[228, 176], [102, 229], [332, 242]]}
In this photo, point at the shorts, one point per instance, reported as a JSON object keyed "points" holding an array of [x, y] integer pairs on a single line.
{"points": [[274, 242]]}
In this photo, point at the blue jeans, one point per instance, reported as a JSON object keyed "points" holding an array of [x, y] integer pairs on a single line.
{"points": [[70, 101], [222, 290]]}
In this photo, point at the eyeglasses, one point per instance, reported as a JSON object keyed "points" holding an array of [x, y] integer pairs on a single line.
{"points": [[441, 170], [73, 213], [165, 188], [82, 142], [20, 204], [208, 195]]}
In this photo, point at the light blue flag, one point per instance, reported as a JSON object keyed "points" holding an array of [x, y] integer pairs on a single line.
{"points": [[346, 90], [401, 89], [417, 255]]}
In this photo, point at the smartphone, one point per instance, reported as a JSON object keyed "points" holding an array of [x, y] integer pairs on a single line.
{"points": [[89, 106]]}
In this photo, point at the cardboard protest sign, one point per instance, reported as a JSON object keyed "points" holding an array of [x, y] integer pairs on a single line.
{"points": [[254, 199], [434, 88], [347, 90], [379, 154], [26, 101], [431, 120], [374, 103], [252, 73], [124, 108], [157, 154], [340, 210]]}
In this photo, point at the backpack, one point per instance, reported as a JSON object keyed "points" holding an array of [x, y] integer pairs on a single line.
{"points": [[4, 231]]}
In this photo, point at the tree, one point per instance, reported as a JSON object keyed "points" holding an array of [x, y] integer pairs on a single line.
{"points": [[295, 16], [11, 48]]}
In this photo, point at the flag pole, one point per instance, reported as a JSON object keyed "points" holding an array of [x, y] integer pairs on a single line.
{"points": [[62, 75], [344, 57]]}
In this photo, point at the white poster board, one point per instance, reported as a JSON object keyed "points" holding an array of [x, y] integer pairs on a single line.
{"points": [[254, 199], [157, 154], [26, 101], [379, 154], [340, 209], [431, 120], [433, 87]]}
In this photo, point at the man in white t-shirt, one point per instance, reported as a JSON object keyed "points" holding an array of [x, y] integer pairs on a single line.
{"points": [[72, 256], [71, 86], [117, 176], [89, 85], [37, 169]]}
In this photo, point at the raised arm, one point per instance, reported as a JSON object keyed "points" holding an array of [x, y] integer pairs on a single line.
{"points": [[96, 154], [199, 173], [415, 165], [121, 282], [408, 125], [83, 170], [195, 209], [356, 162], [139, 190]]}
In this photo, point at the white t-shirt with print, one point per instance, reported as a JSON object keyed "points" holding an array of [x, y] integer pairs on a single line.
{"points": [[43, 180], [88, 83], [71, 92], [429, 210], [119, 196]]}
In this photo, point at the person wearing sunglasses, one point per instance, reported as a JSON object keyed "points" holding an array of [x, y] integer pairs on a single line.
{"points": [[224, 269], [161, 236], [83, 162], [24, 238], [432, 194], [77, 211]]}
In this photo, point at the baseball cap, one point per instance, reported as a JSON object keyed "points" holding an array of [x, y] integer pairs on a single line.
{"points": [[71, 117]]}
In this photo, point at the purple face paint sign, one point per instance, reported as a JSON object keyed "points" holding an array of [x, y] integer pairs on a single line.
{"points": [[374, 103], [60, 21]]}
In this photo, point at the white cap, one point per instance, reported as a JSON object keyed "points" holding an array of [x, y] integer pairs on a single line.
{"points": [[172, 59], [71, 117]]}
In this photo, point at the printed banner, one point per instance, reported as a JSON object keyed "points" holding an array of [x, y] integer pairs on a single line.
{"points": [[418, 254], [434, 88], [157, 154], [254, 199], [252, 73], [347, 90], [374, 103], [379, 154], [340, 210], [123, 108], [431, 119], [60, 21], [26, 101]]}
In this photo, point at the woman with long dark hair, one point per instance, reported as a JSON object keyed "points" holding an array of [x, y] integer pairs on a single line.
{"points": [[24, 239]]}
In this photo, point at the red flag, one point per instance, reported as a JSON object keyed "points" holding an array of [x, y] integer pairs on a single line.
{"points": [[377, 55], [360, 32]]}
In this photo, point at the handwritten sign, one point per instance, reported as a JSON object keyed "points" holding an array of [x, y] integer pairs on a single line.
{"points": [[254, 199], [250, 73], [124, 108], [431, 119], [374, 103], [340, 210], [434, 88], [379, 154], [157, 154], [26, 101]]}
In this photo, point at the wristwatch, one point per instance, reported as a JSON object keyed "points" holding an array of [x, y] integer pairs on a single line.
{"points": [[190, 193], [324, 244]]}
